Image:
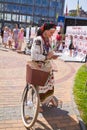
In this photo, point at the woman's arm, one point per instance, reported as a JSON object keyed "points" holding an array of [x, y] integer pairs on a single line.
{"points": [[37, 51]]}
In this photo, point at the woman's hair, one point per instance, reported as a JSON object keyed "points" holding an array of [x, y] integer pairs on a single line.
{"points": [[46, 26]]}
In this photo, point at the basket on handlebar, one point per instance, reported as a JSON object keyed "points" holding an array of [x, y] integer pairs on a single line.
{"points": [[35, 74]]}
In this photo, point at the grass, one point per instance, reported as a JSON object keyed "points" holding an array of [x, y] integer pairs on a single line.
{"points": [[80, 92]]}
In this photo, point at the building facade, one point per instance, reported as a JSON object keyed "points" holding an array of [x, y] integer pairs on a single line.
{"points": [[81, 13], [29, 12]]}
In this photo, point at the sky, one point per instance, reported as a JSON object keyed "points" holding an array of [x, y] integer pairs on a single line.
{"points": [[72, 4]]}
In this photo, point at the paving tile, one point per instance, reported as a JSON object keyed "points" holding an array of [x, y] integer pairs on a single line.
{"points": [[12, 83]]}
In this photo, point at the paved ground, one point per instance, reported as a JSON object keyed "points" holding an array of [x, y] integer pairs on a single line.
{"points": [[12, 83]]}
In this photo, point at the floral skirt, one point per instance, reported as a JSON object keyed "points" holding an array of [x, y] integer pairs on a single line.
{"points": [[46, 92]]}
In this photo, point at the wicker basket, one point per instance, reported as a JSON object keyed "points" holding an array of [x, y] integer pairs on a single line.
{"points": [[35, 74]]}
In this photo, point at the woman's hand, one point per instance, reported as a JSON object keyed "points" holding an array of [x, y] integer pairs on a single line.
{"points": [[51, 55]]}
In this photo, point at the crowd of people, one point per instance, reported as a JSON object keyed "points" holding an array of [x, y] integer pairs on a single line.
{"points": [[13, 38]]}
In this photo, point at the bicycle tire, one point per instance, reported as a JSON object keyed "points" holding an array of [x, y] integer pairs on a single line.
{"points": [[25, 103]]}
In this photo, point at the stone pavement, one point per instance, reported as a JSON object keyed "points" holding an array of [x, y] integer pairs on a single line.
{"points": [[12, 83]]}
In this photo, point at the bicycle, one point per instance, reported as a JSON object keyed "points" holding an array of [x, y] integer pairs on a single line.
{"points": [[30, 99]]}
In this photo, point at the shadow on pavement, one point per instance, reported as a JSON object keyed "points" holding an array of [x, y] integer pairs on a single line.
{"points": [[55, 119]]}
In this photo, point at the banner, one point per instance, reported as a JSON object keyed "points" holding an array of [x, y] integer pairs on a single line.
{"points": [[79, 34]]}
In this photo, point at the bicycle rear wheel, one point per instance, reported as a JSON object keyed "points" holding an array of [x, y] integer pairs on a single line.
{"points": [[29, 105]]}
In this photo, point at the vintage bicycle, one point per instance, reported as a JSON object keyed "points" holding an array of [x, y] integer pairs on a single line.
{"points": [[35, 76]]}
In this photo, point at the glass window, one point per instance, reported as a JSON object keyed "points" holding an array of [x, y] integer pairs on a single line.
{"points": [[15, 17], [16, 8], [24, 1], [45, 3], [38, 2], [1, 15], [36, 20], [27, 1], [52, 3], [8, 7], [11, 8], [7, 16], [30, 10], [4, 7], [22, 18], [30, 1], [30, 19], [59, 5], [15, 1], [52, 12], [0, 6], [37, 11], [44, 12], [8, 0], [23, 9]]}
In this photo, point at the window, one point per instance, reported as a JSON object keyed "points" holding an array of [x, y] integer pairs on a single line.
{"points": [[45, 3], [1, 15], [52, 12], [23, 9], [37, 11], [13, 8], [15, 1], [36, 20], [30, 10], [24, 1], [30, 19], [0, 6], [30, 1], [44, 12], [10, 7], [27, 1], [38, 2], [15, 17], [53, 3], [7, 16], [22, 18]]}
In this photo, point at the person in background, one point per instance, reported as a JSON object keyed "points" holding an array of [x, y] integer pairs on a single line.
{"points": [[15, 36], [10, 39], [2, 31], [71, 46], [41, 52], [5, 36], [58, 40], [20, 39]]}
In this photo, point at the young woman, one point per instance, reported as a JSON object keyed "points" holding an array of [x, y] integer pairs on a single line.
{"points": [[41, 51], [20, 39], [71, 46], [5, 36]]}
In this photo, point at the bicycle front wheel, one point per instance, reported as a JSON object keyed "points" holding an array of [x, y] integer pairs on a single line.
{"points": [[29, 105]]}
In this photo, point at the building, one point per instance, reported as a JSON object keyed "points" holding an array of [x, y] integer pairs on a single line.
{"points": [[29, 12], [81, 12]]}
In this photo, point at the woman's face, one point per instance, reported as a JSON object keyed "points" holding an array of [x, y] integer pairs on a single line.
{"points": [[50, 32]]}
